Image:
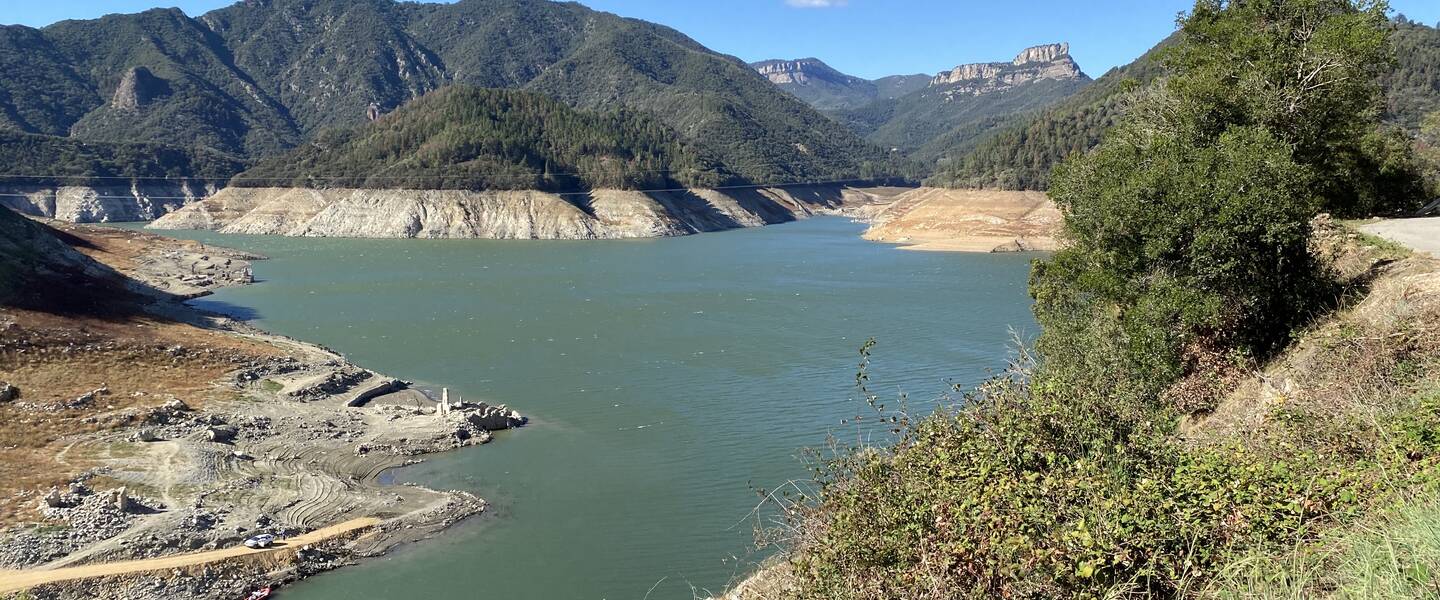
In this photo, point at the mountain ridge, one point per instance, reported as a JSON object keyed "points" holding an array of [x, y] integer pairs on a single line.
{"points": [[261, 76]]}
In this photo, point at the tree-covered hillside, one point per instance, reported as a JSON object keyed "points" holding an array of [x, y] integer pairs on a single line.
{"points": [[32, 159], [1413, 89], [260, 76], [929, 123], [472, 138]]}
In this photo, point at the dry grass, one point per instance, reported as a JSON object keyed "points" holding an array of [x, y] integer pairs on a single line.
{"points": [[142, 361], [117, 248]]}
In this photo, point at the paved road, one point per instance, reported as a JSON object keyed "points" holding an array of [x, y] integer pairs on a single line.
{"points": [[1420, 234], [14, 581]]}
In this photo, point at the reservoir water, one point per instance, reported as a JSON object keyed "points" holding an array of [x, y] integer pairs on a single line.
{"points": [[664, 379]]}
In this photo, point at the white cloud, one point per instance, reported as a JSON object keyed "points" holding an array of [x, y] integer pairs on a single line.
{"points": [[817, 3]]}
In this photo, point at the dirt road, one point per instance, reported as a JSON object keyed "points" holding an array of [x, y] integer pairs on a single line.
{"points": [[14, 581], [1420, 234]]}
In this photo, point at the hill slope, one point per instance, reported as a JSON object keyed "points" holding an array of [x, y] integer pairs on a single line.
{"points": [[461, 137], [261, 76]]}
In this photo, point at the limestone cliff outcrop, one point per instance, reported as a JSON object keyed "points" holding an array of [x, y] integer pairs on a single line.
{"points": [[1049, 61], [102, 204], [781, 72], [601, 214]]}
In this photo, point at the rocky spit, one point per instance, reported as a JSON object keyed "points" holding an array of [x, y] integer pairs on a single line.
{"points": [[297, 442]]}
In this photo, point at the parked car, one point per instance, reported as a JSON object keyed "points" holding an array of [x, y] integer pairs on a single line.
{"points": [[263, 540]]}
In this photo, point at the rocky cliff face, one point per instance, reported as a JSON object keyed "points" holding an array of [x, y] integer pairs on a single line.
{"points": [[1050, 61], [102, 204], [602, 214], [138, 88]]}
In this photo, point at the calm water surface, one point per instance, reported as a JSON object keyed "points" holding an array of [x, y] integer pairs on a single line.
{"points": [[664, 378]]}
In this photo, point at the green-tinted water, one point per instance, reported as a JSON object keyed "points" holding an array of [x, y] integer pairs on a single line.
{"points": [[663, 379]]}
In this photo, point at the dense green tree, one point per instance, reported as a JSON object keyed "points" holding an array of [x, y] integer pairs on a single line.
{"points": [[1188, 226]]}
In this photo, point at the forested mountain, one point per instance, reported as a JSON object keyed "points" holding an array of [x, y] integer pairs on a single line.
{"points": [[961, 104], [1022, 153], [825, 88], [463, 137], [260, 76]]}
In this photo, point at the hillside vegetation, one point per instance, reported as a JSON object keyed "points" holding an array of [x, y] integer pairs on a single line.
{"points": [[1167, 433], [470, 138], [64, 161], [260, 77]]}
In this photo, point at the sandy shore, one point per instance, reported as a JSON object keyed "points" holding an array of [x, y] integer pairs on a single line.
{"points": [[272, 435]]}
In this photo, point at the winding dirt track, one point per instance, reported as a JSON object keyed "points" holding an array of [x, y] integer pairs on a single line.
{"points": [[14, 581]]}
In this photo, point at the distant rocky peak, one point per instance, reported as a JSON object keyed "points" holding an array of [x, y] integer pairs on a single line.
{"points": [[138, 88], [1043, 53], [1049, 61], [800, 70]]}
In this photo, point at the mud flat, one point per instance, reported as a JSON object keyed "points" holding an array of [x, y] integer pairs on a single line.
{"points": [[156, 430]]}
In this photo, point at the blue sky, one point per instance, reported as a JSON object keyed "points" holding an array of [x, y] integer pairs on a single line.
{"points": [[869, 38]]}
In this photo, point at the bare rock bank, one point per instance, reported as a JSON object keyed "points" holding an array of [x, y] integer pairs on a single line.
{"points": [[102, 204], [601, 214], [966, 221]]}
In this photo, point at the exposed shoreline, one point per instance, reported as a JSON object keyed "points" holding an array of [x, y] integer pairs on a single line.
{"points": [[277, 446], [921, 219]]}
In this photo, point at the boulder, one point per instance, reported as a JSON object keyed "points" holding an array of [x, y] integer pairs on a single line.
{"points": [[53, 499], [147, 435], [177, 405], [221, 434], [88, 398], [8, 392]]}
